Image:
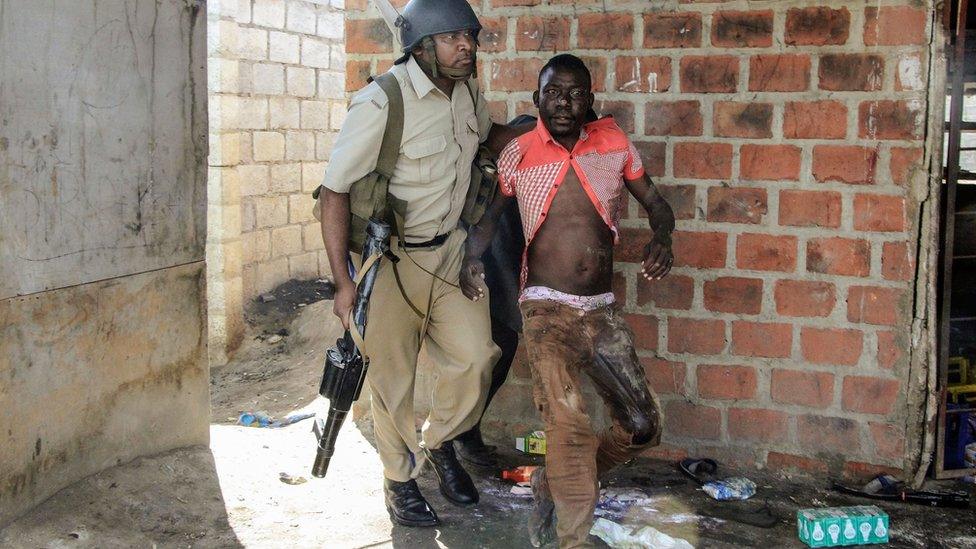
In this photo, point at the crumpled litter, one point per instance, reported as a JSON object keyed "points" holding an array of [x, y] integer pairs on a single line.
{"points": [[620, 499], [288, 479], [262, 419], [641, 537], [732, 488]]}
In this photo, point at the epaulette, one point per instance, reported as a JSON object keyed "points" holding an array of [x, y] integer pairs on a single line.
{"points": [[372, 93]]}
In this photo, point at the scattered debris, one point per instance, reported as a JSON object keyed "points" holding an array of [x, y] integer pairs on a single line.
{"points": [[274, 339], [836, 526], [703, 470], [732, 488], [519, 475], [619, 500], [288, 479], [262, 419], [521, 491], [622, 537]]}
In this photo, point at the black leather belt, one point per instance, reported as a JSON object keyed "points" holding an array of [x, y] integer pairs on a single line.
{"points": [[436, 241]]}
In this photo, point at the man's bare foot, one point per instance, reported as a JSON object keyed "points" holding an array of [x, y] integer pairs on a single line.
{"points": [[542, 521]]}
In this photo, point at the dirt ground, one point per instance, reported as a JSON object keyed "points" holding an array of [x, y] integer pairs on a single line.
{"points": [[231, 494]]}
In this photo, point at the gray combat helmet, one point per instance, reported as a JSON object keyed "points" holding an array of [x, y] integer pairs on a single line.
{"points": [[422, 18]]}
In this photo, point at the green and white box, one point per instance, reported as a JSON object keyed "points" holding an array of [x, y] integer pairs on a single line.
{"points": [[836, 526], [533, 443]]}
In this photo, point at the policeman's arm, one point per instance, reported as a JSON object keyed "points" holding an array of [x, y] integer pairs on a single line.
{"points": [[479, 238], [334, 208], [335, 233], [354, 155], [658, 256]]}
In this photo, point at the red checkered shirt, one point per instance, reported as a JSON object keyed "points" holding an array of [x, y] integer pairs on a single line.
{"points": [[532, 167]]}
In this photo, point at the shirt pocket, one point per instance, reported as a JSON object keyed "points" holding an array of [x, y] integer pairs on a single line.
{"points": [[469, 138], [419, 158]]}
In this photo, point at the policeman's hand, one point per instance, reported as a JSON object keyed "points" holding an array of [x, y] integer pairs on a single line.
{"points": [[472, 278], [657, 260], [345, 296]]}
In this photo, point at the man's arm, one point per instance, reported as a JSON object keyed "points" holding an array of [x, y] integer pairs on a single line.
{"points": [[335, 232], [658, 256], [479, 238]]}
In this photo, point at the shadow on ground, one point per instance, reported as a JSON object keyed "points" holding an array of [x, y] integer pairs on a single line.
{"points": [[169, 500]]}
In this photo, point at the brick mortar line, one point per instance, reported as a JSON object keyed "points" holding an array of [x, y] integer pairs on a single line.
{"points": [[701, 225], [889, 53], [886, 189], [835, 410], [641, 8], [859, 418], [820, 323], [863, 368], [773, 97], [841, 283], [837, 320], [803, 234], [695, 312], [709, 275], [768, 365]]}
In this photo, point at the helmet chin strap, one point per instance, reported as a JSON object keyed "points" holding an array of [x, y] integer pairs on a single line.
{"points": [[436, 70]]}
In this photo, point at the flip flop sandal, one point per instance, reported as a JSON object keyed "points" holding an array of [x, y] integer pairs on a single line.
{"points": [[700, 470]]}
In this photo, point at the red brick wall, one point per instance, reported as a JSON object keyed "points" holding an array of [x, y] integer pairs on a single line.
{"points": [[786, 136]]}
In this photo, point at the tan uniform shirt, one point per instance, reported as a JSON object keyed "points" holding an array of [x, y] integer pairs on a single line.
{"points": [[440, 138]]}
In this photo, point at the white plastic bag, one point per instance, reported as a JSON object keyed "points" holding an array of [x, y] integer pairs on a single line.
{"points": [[641, 537]]}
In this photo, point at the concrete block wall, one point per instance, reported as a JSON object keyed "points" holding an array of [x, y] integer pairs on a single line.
{"points": [[103, 134], [277, 102], [790, 139]]}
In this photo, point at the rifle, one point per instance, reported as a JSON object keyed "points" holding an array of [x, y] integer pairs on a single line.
{"points": [[345, 364]]}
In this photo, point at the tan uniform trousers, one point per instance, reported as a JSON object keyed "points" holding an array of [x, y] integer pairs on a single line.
{"points": [[458, 342]]}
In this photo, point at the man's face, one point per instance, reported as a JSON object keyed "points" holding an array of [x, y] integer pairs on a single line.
{"points": [[456, 50], [563, 98]]}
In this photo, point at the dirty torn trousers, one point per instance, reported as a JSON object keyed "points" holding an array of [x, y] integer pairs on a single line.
{"points": [[458, 343], [563, 342]]}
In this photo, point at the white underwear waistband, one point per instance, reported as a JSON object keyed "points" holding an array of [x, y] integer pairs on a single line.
{"points": [[582, 302]]}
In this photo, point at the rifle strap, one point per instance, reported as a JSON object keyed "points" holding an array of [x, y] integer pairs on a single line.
{"points": [[403, 291], [386, 162], [393, 134], [357, 337]]}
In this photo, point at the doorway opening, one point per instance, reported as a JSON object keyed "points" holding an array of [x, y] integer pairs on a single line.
{"points": [[956, 437]]}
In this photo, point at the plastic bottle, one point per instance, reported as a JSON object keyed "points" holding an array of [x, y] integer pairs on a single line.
{"points": [[519, 474]]}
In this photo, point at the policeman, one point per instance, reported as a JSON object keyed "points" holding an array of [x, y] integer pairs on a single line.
{"points": [[445, 120]]}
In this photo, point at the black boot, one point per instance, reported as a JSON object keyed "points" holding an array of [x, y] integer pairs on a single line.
{"points": [[454, 481], [471, 447], [407, 505]]}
